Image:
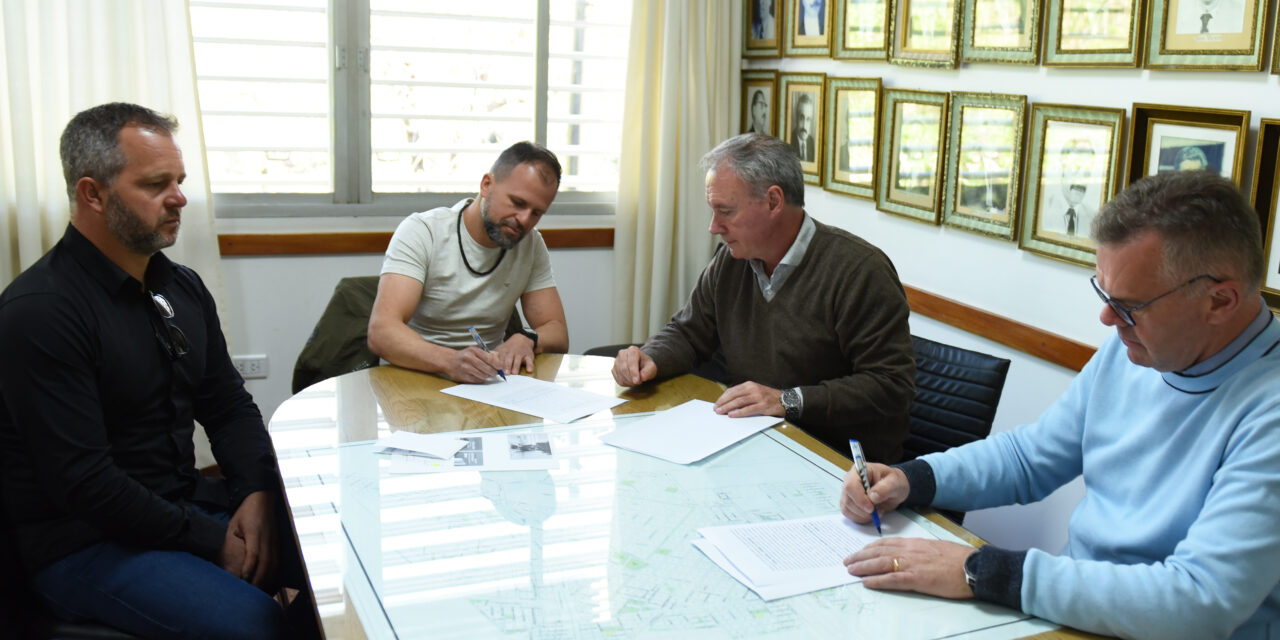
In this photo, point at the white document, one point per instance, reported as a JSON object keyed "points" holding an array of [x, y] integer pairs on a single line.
{"points": [[536, 397], [687, 433], [522, 451], [435, 445], [789, 557]]}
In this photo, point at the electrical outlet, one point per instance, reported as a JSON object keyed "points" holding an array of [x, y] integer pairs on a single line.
{"points": [[251, 367]]}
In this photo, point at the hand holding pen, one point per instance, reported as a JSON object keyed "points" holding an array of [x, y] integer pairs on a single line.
{"points": [[475, 334], [888, 489], [860, 465]]}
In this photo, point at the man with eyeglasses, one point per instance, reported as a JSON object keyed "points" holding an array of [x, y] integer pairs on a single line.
{"points": [[1174, 425], [110, 352]]}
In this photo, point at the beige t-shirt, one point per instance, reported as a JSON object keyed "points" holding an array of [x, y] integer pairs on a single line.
{"points": [[425, 248]]}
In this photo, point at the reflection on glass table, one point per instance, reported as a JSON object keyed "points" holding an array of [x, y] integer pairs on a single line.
{"points": [[598, 547]]}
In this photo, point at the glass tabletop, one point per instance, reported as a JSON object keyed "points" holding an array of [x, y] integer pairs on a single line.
{"points": [[598, 547]]}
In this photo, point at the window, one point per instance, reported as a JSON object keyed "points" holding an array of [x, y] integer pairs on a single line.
{"points": [[328, 104]]}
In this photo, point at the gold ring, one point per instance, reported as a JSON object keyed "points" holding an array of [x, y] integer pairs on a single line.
{"points": [[896, 566]]}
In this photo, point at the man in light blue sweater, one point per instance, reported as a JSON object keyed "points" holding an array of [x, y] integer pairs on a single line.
{"points": [[1174, 425]]}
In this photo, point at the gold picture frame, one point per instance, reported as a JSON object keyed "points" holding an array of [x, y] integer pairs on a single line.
{"points": [[803, 18], [1265, 197], [1093, 33], [1167, 138], [1001, 31], [1275, 48], [759, 89], [925, 33], [912, 152], [984, 162], [1206, 34], [1074, 162], [762, 29], [801, 123], [853, 127], [864, 30]]}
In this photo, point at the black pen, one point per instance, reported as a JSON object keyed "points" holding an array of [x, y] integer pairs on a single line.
{"points": [[485, 347]]}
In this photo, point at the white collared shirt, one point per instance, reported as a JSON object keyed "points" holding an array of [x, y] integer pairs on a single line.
{"points": [[769, 286]]}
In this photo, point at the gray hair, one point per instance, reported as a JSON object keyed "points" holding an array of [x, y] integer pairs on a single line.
{"points": [[761, 161], [1206, 223], [90, 144]]}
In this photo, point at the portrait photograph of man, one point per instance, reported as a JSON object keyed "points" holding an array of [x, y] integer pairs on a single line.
{"points": [[803, 131], [1072, 180]]}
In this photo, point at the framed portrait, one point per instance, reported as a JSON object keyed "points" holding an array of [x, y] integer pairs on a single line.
{"points": [[1266, 187], [1206, 34], [925, 33], [864, 30], [801, 122], [1073, 167], [1093, 33], [762, 29], [1003, 31], [853, 123], [808, 27], [1168, 138], [984, 162], [912, 149], [759, 102]]}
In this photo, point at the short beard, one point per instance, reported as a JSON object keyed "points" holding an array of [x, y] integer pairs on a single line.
{"points": [[494, 230], [128, 228]]}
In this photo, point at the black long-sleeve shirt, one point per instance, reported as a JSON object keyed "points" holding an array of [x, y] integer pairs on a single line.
{"points": [[97, 416]]}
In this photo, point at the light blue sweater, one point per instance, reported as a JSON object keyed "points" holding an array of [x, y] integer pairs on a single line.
{"points": [[1178, 534]]}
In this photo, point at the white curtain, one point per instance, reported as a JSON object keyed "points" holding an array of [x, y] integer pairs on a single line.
{"points": [[60, 57], [681, 100]]}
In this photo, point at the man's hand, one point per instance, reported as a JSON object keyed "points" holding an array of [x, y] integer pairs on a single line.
{"points": [[517, 351], [750, 399], [251, 541], [889, 488], [934, 567], [633, 367], [472, 365]]}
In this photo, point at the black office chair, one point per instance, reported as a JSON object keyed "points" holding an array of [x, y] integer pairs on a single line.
{"points": [[957, 392], [713, 368]]}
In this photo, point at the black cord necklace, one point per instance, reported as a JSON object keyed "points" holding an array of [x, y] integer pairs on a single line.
{"points": [[478, 274]]}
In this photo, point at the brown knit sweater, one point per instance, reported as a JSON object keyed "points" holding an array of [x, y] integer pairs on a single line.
{"points": [[837, 329]]}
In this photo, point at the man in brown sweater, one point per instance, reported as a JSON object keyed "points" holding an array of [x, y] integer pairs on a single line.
{"points": [[811, 320]]}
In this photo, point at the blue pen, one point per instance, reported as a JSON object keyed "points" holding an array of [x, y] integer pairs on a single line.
{"points": [[861, 465], [484, 346]]}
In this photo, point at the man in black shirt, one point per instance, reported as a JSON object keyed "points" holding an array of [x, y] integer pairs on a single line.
{"points": [[108, 354]]}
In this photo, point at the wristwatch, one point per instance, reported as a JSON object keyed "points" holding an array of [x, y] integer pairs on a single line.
{"points": [[792, 403], [970, 569], [532, 335]]}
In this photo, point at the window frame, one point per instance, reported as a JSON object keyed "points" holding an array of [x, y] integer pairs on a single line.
{"points": [[350, 130]]}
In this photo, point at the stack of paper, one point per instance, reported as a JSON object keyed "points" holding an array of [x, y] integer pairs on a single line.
{"points": [[536, 397], [687, 433], [789, 557]]}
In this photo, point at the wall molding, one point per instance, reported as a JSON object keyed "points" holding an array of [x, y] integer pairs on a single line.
{"points": [[1054, 348], [1042, 344], [277, 244]]}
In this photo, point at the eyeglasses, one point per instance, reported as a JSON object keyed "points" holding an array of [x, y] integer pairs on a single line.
{"points": [[1126, 313], [176, 346]]}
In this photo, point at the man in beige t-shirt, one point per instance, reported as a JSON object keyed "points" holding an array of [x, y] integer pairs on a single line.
{"points": [[453, 268]]}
